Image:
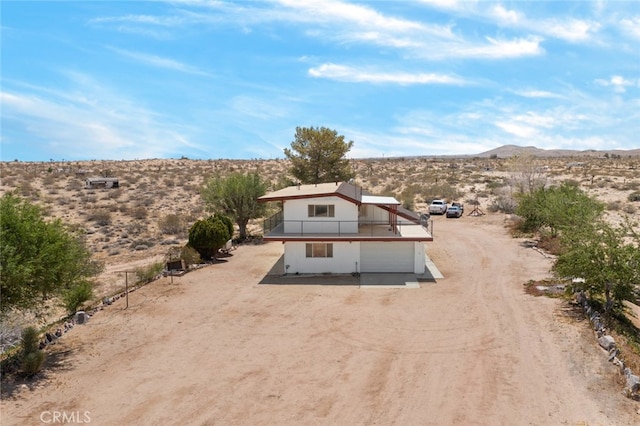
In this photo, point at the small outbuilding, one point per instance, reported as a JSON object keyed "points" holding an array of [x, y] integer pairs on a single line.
{"points": [[101, 182]]}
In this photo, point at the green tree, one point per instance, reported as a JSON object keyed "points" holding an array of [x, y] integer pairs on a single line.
{"points": [[604, 256], [549, 210], [39, 259], [209, 235], [317, 155], [236, 196]]}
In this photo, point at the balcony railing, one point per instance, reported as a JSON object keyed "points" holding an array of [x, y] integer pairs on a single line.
{"points": [[333, 228], [272, 222]]}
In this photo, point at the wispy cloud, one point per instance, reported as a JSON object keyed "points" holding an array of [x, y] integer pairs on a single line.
{"points": [[160, 62], [569, 29], [92, 121], [360, 75], [537, 94], [619, 83]]}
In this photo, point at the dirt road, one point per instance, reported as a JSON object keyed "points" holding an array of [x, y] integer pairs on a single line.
{"points": [[217, 347]]}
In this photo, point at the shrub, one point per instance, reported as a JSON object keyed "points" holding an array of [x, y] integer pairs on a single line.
{"points": [[634, 196], [139, 213], [614, 205], [32, 357], [145, 274], [190, 255], [504, 204], [76, 296], [171, 224], [101, 217]]}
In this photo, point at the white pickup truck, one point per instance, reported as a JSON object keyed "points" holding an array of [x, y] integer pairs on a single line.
{"points": [[438, 207]]}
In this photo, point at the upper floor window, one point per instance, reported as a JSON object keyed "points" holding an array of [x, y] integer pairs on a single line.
{"points": [[322, 210]]}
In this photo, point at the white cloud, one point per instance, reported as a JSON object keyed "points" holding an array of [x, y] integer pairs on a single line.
{"points": [[631, 26], [517, 129], [506, 16], [537, 94], [359, 75], [619, 83], [496, 49]]}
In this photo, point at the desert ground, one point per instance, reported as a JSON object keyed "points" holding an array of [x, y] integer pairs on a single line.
{"points": [[218, 347]]}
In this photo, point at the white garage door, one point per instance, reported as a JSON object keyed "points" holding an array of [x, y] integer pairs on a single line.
{"points": [[386, 257]]}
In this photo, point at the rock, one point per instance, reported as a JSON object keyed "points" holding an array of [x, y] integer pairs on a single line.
{"points": [[607, 342], [633, 383], [81, 317]]}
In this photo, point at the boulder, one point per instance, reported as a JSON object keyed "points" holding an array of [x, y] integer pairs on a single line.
{"points": [[81, 317], [607, 342]]}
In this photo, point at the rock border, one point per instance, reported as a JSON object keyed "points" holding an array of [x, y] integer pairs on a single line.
{"points": [[607, 342]]}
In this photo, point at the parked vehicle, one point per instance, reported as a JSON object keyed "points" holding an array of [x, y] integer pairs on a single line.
{"points": [[454, 211], [459, 205], [438, 207]]}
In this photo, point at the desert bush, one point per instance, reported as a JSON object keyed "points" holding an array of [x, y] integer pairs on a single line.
{"points": [[171, 224], [190, 255], [629, 209], [614, 205], [634, 196], [139, 213], [76, 296], [503, 203], [101, 217], [440, 190], [32, 358], [145, 274], [115, 193]]}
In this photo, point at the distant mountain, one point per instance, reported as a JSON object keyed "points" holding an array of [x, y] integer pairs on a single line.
{"points": [[511, 150]]}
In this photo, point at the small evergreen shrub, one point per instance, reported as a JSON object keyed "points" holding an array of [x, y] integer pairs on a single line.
{"points": [[32, 358]]}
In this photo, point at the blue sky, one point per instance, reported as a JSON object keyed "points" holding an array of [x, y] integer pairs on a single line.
{"points": [[118, 80]]}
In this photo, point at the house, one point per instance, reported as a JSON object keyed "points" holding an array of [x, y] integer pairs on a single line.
{"points": [[101, 182], [340, 228]]}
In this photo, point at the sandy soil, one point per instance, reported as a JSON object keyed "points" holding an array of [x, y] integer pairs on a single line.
{"points": [[217, 347]]}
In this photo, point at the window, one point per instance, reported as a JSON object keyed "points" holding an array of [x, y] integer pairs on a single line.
{"points": [[319, 250], [322, 210]]}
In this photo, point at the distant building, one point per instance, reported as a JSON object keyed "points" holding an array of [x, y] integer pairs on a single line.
{"points": [[101, 182]]}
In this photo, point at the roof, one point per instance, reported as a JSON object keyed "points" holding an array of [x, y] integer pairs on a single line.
{"points": [[374, 199], [340, 189]]}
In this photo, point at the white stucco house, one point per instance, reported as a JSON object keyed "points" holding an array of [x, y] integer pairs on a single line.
{"points": [[339, 228]]}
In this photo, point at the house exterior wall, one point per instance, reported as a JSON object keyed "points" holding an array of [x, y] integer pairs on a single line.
{"points": [[371, 213], [419, 258], [345, 256], [297, 220]]}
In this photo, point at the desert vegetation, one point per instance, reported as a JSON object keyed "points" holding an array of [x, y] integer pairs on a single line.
{"points": [[158, 200]]}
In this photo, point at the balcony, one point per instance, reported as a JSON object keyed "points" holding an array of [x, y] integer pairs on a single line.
{"points": [[277, 229]]}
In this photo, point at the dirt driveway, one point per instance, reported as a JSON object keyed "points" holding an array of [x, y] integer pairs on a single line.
{"points": [[216, 347]]}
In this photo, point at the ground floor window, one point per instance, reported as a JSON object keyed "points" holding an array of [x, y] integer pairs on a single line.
{"points": [[319, 249]]}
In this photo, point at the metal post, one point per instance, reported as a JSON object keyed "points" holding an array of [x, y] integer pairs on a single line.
{"points": [[126, 287]]}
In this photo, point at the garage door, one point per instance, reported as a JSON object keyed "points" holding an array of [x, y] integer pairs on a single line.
{"points": [[386, 257]]}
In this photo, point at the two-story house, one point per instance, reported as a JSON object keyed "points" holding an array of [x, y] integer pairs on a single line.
{"points": [[339, 228]]}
